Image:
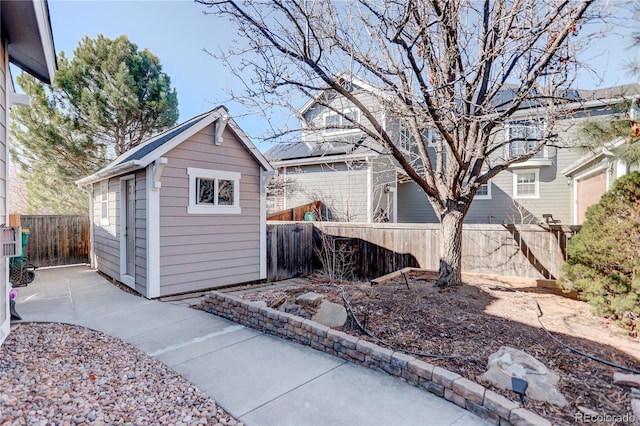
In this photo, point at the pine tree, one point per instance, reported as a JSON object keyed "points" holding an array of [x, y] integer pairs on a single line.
{"points": [[103, 101], [603, 263]]}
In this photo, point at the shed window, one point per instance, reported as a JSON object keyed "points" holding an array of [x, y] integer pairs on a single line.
{"points": [[104, 203], [213, 192]]}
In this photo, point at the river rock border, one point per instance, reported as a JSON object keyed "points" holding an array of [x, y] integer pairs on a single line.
{"points": [[469, 395]]}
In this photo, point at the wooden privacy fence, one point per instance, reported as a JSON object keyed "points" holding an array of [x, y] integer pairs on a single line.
{"points": [[289, 250], [530, 251], [57, 240]]}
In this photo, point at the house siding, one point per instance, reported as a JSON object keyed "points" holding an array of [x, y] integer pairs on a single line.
{"points": [[555, 195], [4, 303], [315, 116], [199, 251], [342, 190]]}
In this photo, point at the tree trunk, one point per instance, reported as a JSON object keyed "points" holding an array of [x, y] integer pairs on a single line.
{"points": [[450, 271]]}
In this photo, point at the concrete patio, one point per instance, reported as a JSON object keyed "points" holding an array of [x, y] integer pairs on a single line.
{"points": [[258, 378]]}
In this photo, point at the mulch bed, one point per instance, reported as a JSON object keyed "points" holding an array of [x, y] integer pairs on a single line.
{"points": [[414, 315]]}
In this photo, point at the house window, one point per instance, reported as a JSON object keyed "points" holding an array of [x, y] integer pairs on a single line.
{"points": [[348, 117], [525, 184], [213, 192], [484, 192], [104, 203], [406, 139], [433, 137], [523, 137]]}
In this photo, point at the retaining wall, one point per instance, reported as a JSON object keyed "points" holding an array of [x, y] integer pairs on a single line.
{"points": [[469, 395]]}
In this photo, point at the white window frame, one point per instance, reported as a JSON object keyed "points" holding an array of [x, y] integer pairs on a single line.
{"points": [[195, 208], [341, 121], [543, 154], [536, 173], [104, 202], [433, 138], [487, 196]]}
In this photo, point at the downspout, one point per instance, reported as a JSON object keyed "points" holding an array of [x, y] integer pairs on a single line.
{"points": [[265, 176], [369, 190]]}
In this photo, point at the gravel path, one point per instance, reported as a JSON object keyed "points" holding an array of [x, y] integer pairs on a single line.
{"points": [[58, 374]]}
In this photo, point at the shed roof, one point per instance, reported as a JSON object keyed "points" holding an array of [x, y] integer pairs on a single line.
{"points": [[158, 145]]}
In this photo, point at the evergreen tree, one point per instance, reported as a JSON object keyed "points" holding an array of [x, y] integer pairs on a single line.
{"points": [[103, 101], [603, 263]]}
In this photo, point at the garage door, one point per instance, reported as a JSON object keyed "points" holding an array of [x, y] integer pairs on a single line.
{"points": [[589, 191]]}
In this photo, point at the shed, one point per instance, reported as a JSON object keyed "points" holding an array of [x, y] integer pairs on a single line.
{"points": [[183, 211]]}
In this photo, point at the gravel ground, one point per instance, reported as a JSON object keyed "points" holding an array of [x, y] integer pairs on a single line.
{"points": [[58, 374]]}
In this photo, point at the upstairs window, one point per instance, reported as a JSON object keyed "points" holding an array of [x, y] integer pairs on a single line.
{"points": [[347, 118], [213, 192], [523, 137], [525, 184]]}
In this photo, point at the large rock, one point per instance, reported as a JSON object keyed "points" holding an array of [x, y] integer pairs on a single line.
{"points": [[509, 362], [330, 314], [310, 300]]}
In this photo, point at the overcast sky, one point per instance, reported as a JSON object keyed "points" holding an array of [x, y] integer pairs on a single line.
{"points": [[177, 32]]}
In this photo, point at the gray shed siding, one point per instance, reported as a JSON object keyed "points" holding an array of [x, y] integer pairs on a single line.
{"points": [[107, 237], [141, 231], [199, 251], [106, 240]]}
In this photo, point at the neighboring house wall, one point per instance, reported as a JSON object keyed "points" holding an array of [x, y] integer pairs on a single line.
{"points": [[342, 190], [555, 192], [208, 250], [317, 113]]}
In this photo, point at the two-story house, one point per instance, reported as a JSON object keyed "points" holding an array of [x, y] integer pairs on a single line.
{"points": [[360, 183]]}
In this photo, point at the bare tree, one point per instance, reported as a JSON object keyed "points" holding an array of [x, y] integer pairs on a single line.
{"points": [[461, 68]]}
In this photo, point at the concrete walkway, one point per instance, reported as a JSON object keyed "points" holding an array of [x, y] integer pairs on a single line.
{"points": [[258, 378]]}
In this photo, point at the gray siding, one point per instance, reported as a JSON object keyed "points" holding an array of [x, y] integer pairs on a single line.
{"points": [[141, 231], [106, 237], [4, 315], [199, 251], [342, 190], [555, 193], [315, 116]]}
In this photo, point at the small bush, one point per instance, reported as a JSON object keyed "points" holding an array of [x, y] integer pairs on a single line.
{"points": [[604, 257]]}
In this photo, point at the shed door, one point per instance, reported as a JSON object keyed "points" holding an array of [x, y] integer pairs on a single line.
{"points": [[128, 230], [130, 227], [589, 190]]}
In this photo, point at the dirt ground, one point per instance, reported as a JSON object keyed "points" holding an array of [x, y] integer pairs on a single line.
{"points": [[476, 319]]}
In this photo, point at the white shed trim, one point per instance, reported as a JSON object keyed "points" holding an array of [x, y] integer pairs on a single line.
{"points": [[153, 237]]}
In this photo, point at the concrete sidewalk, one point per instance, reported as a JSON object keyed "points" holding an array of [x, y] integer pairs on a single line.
{"points": [[258, 378]]}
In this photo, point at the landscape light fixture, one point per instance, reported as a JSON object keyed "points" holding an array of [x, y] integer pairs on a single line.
{"points": [[519, 386]]}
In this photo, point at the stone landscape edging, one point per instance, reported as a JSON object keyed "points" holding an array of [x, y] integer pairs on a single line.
{"points": [[446, 384]]}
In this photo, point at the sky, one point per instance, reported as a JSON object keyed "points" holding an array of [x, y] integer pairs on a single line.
{"points": [[177, 31]]}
